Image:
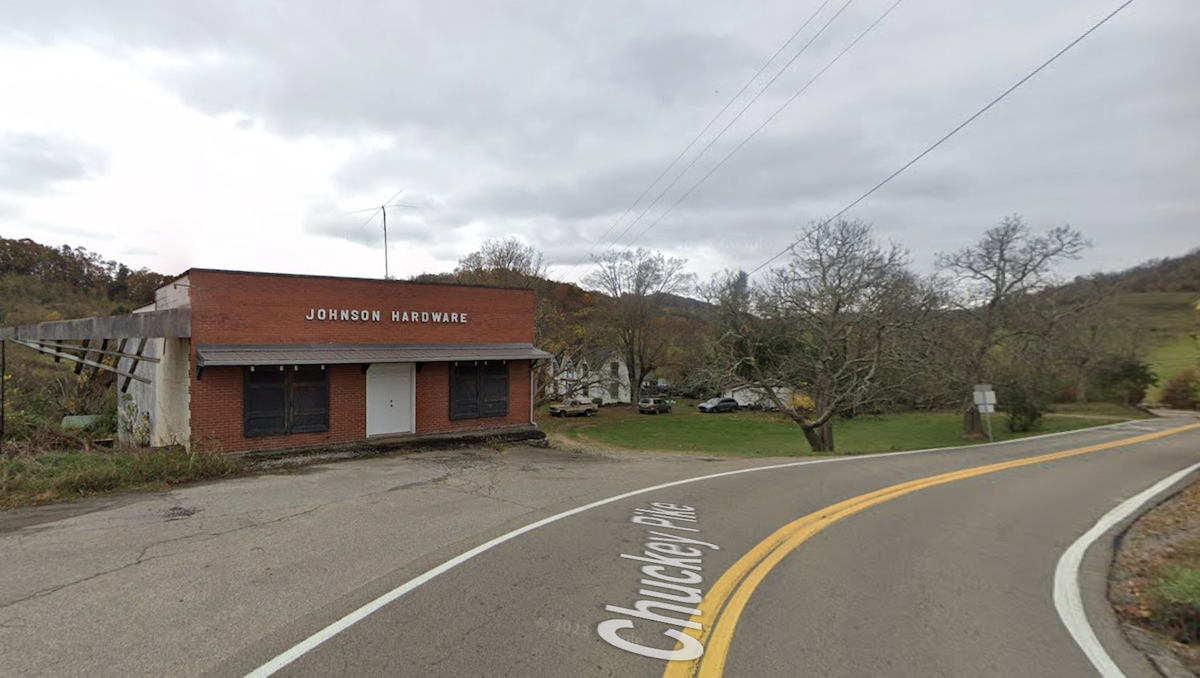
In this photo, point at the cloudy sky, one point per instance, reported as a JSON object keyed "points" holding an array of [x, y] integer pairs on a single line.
{"points": [[239, 133]]}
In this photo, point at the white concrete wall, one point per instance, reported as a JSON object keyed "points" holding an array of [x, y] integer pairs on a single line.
{"points": [[175, 294], [172, 406], [134, 406], [157, 413]]}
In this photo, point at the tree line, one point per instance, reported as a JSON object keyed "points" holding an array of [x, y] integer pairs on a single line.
{"points": [[80, 270], [845, 327]]}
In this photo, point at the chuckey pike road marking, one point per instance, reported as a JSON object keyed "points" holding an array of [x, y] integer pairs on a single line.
{"points": [[729, 596]]}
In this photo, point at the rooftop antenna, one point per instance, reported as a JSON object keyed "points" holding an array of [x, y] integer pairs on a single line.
{"points": [[376, 210]]}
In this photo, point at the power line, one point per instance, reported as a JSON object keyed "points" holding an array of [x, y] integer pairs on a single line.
{"points": [[706, 128], [769, 119], [734, 120], [954, 131]]}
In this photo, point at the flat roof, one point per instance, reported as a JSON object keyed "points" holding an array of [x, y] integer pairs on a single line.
{"points": [[339, 277]]}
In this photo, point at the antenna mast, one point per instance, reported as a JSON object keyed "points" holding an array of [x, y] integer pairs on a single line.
{"points": [[376, 210]]}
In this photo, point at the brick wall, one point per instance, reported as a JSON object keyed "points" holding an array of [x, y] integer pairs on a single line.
{"points": [[247, 308]]}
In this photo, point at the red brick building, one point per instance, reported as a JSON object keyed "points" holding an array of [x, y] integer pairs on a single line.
{"points": [[252, 361]]}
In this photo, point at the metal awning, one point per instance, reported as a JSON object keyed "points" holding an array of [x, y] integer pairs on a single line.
{"points": [[223, 355]]}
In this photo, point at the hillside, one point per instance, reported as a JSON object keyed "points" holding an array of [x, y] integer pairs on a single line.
{"points": [[39, 283], [1160, 297]]}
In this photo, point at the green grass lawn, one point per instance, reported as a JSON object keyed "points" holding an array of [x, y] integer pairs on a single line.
{"points": [[1169, 320], [764, 434]]}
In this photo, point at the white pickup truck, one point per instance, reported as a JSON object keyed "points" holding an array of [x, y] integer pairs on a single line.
{"points": [[570, 407]]}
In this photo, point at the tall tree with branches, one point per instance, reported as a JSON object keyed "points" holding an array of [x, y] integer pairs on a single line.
{"points": [[995, 282], [635, 282], [830, 327]]}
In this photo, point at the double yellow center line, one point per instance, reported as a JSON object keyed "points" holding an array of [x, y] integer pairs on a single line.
{"points": [[723, 606]]}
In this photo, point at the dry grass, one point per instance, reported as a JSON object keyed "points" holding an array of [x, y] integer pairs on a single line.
{"points": [[28, 478], [1155, 579]]}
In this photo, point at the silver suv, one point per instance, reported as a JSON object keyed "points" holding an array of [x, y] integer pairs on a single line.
{"points": [[654, 406]]}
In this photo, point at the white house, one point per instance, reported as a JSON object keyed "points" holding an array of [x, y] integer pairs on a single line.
{"points": [[600, 374]]}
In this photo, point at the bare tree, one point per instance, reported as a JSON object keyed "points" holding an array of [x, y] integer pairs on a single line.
{"points": [[995, 281], [562, 313], [829, 327], [635, 281], [504, 263]]}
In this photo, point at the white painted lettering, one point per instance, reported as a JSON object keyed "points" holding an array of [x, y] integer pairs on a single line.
{"points": [[453, 317], [660, 522], [667, 514], [683, 540], [321, 314], [424, 316], [311, 314], [681, 563], [672, 507], [354, 315], [641, 610], [674, 549], [693, 595], [437, 317], [333, 314], [345, 314], [375, 316], [692, 649], [396, 316], [462, 318], [657, 571]]}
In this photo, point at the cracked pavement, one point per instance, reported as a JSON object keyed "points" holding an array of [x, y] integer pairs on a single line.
{"points": [[176, 583]]}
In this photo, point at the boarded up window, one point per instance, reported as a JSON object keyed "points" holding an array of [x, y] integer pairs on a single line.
{"points": [[291, 400], [478, 389]]}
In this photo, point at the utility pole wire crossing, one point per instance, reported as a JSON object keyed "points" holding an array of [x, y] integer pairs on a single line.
{"points": [[954, 131]]}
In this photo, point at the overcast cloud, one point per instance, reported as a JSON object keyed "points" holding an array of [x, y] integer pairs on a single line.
{"points": [[239, 135]]}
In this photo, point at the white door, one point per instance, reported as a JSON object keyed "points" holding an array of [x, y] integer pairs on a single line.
{"points": [[390, 398]]}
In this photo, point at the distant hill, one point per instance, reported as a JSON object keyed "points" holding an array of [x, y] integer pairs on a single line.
{"points": [[39, 283], [1171, 274]]}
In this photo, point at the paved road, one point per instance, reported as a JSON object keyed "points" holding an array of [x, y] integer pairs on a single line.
{"points": [[951, 579]]}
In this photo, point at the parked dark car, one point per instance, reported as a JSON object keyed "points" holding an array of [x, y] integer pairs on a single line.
{"points": [[718, 405], [654, 406]]}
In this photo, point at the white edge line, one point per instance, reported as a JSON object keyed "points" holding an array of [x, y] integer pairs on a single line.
{"points": [[312, 642], [1068, 599]]}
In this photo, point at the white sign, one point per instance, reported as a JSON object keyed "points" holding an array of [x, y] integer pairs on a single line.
{"points": [[368, 315]]}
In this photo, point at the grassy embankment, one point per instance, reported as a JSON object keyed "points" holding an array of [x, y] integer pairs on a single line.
{"points": [[765, 434], [1169, 320]]}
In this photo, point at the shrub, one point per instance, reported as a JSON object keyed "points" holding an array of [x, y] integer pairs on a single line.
{"points": [[1124, 380], [1182, 391], [1175, 602]]}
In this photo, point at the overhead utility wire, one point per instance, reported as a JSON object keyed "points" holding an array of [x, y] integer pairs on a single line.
{"points": [[731, 122], [768, 120], [954, 131], [706, 128]]}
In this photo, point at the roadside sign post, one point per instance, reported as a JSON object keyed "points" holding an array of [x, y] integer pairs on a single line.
{"points": [[985, 400]]}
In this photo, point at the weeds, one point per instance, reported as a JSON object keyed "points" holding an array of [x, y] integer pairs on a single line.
{"points": [[27, 478], [1175, 603]]}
